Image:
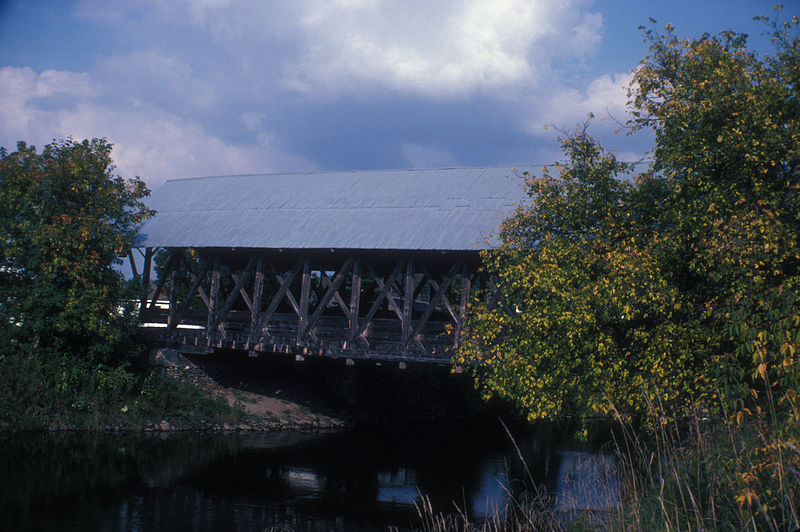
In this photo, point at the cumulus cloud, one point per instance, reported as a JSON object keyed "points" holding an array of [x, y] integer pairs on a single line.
{"points": [[605, 97], [444, 48], [148, 141], [201, 87]]}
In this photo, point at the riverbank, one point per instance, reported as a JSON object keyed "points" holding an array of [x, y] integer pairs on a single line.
{"points": [[254, 411], [228, 391]]}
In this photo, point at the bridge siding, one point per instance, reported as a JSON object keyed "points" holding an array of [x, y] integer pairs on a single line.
{"points": [[243, 300]]}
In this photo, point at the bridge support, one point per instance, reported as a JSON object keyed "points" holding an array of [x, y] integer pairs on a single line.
{"points": [[342, 304]]}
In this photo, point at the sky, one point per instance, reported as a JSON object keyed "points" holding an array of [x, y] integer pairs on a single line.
{"points": [[188, 88]]}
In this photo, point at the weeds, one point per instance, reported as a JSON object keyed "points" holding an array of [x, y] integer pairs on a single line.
{"points": [[41, 391]]}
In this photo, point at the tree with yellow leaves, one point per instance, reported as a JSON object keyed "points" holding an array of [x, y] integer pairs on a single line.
{"points": [[679, 281]]}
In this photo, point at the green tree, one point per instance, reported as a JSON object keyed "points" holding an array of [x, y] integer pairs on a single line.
{"points": [[627, 284], [65, 220]]}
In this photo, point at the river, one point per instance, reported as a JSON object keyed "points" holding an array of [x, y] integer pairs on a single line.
{"points": [[364, 478]]}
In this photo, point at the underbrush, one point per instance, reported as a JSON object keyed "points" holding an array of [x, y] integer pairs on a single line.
{"points": [[49, 391], [738, 471]]}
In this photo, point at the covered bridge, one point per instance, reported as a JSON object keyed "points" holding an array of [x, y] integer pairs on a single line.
{"points": [[363, 264]]}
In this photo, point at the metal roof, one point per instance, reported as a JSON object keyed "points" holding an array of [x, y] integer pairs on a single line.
{"points": [[441, 209]]}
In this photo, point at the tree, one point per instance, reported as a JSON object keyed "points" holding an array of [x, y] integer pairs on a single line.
{"points": [[669, 280], [65, 221]]}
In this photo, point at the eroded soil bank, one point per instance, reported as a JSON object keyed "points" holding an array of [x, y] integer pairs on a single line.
{"points": [[276, 392]]}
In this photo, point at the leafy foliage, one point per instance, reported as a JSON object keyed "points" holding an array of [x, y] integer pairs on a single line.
{"points": [[677, 281], [65, 221]]}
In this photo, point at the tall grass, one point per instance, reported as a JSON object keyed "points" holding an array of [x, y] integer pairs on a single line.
{"points": [[730, 471]]}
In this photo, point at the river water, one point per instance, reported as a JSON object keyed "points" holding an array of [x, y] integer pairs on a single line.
{"points": [[360, 479]]}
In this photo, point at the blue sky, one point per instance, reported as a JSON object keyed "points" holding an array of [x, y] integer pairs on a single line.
{"points": [[208, 87]]}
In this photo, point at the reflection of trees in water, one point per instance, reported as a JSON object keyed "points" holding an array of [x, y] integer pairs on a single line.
{"points": [[45, 474], [304, 481]]}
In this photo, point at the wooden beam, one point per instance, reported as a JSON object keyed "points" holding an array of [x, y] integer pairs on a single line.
{"points": [[243, 293], [231, 299], [340, 302], [172, 320], [466, 289], [355, 302], [196, 279], [284, 283], [337, 282], [132, 262], [255, 308], [305, 292], [148, 259], [171, 264], [213, 303], [408, 305], [384, 288], [440, 291], [447, 304], [387, 285]]}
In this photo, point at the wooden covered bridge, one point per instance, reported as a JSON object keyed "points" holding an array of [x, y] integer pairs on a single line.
{"points": [[365, 264]]}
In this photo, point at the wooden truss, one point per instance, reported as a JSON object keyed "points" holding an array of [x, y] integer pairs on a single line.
{"points": [[345, 305]]}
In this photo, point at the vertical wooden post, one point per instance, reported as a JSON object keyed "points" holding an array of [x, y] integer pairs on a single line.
{"points": [[173, 294], [355, 303], [305, 292], [132, 262], [466, 289], [148, 260], [258, 292], [213, 302], [408, 306]]}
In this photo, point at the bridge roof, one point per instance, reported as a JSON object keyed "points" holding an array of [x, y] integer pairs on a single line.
{"points": [[441, 209]]}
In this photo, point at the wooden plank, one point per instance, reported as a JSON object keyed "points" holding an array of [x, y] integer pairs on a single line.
{"points": [[283, 289], [336, 295], [388, 285], [440, 291], [172, 321], [466, 289], [305, 292], [408, 306], [196, 279], [355, 302], [384, 288], [148, 260], [213, 301], [447, 304], [243, 293], [132, 262], [337, 282], [231, 299], [255, 308], [161, 282]]}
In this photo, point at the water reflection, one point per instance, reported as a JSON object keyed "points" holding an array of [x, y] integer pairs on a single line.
{"points": [[363, 479]]}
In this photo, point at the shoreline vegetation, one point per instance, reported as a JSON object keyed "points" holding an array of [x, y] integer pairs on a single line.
{"points": [[174, 395]]}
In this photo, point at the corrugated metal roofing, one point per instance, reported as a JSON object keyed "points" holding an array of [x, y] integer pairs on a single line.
{"points": [[442, 209]]}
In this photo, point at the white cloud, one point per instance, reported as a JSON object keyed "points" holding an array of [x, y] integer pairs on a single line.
{"points": [[444, 48], [197, 87], [605, 97], [148, 141]]}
